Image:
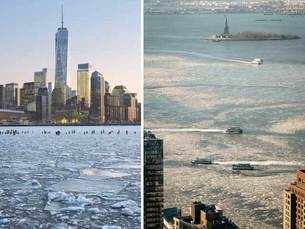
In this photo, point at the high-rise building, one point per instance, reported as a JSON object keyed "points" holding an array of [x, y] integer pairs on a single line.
{"points": [[294, 203], [2, 97], [58, 104], [121, 106], [12, 96], [97, 107], [83, 83], [40, 79], [153, 182], [50, 89], [61, 55], [42, 105], [28, 97]]}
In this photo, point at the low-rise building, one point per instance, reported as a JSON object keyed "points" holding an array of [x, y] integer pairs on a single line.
{"points": [[202, 216]]}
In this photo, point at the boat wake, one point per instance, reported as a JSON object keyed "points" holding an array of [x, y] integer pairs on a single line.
{"points": [[200, 55], [189, 130], [277, 163]]}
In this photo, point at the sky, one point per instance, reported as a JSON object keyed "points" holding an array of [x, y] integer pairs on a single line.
{"points": [[107, 34]]}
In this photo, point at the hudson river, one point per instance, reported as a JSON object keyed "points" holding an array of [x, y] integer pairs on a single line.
{"points": [[86, 177], [196, 84]]}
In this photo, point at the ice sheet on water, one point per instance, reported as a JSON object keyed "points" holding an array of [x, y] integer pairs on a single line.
{"points": [[110, 227], [72, 166], [67, 202], [4, 221], [129, 207], [102, 173], [103, 187]]}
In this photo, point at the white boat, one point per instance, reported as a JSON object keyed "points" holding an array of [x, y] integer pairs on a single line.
{"points": [[257, 61]]}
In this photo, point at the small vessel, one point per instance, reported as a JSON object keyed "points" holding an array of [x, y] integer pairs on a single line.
{"points": [[202, 161], [234, 130], [242, 166], [257, 61]]}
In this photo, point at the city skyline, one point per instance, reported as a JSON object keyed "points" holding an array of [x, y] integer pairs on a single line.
{"points": [[104, 47]]}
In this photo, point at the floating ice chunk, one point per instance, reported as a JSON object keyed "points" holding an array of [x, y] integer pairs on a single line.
{"points": [[4, 221], [35, 183], [66, 202], [95, 210], [69, 199], [129, 207], [111, 227], [107, 187], [72, 209], [62, 226], [102, 173]]}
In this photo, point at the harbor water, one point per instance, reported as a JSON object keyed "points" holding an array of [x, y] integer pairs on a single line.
{"points": [[70, 177], [198, 87]]}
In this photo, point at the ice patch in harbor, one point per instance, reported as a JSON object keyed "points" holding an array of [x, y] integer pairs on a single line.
{"points": [[102, 187], [276, 163], [110, 227], [129, 207], [68, 202], [189, 130], [99, 173]]}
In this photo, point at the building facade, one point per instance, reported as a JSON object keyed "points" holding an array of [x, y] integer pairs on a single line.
{"points": [[12, 96], [97, 107], [83, 83], [153, 182], [121, 106], [42, 105], [50, 89], [202, 216], [2, 96], [61, 56], [40, 79], [294, 203], [28, 97], [61, 60]]}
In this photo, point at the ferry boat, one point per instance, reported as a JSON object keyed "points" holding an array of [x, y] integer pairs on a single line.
{"points": [[234, 130], [202, 161], [242, 166], [257, 61]]}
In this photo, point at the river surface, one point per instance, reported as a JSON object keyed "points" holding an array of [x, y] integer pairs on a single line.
{"points": [[84, 177], [195, 89]]}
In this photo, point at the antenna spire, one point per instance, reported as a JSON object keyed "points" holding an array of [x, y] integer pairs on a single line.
{"points": [[62, 15]]}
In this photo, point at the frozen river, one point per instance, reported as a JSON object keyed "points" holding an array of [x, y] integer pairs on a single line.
{"points": [[84, 177]]}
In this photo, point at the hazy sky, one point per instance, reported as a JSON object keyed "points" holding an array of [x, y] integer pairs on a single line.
{"points": [[105, 33]]}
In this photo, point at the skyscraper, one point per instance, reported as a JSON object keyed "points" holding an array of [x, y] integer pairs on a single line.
{"points": [[153, 182], [83, 83], [97, 107], [61, 55], [40, 79]]}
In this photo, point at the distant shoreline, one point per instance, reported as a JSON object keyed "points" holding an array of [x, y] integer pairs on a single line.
{"points": [[67, 125]]}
